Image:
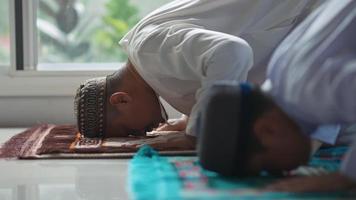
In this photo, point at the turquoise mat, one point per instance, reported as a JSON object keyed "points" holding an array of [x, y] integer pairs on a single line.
{"points": [[152, 176]]}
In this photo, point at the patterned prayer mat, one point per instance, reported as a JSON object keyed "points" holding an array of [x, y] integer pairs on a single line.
{"points": [[51, 141], [152, 176]]}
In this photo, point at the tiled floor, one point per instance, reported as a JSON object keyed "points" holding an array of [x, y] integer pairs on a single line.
{"points": [[61, 179]]}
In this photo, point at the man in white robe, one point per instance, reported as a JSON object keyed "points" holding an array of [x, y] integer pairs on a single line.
{"points": [[177, 52], [312, 77]]}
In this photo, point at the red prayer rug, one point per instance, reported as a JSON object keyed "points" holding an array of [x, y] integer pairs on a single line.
{"points": [[64, 141]]}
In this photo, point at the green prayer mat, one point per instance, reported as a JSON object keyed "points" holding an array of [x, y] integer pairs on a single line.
{"points": [[152, 176]]}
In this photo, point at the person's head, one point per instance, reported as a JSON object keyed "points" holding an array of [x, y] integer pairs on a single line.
{"points": [[120, 104], [243, 132], [280, 143]]}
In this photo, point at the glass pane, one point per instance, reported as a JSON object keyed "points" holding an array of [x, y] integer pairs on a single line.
{"points": [[4, 33], [87, 31]]}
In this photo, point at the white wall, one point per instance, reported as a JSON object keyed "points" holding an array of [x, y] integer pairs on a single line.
{"points": [[28, 111], [30, 97]]}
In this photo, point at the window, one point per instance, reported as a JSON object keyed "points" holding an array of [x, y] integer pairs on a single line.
{"points": [[4, 33], [49, 47], [77, 34]]}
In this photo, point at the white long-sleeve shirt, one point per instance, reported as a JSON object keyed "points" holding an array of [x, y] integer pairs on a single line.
{"points": [[313, 71], [183, 47]]}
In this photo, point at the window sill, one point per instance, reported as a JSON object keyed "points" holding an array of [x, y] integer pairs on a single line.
{"points": [[65, 67]]}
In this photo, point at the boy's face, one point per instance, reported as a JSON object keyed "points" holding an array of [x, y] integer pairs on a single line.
{"points": [[286, 147], [135, 116]]}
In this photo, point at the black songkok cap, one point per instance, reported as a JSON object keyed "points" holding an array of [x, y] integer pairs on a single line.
{"points": [[90, 107], [222, 128]]}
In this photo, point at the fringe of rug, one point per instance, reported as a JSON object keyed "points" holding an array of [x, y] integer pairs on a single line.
{"points": [[49, 139], [12, 148]]}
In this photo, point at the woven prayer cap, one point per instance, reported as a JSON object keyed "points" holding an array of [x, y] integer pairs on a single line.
{"points": [[90, 107]]}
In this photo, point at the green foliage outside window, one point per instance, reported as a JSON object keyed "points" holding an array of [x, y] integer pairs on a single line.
{"points": [[4, 32], [4, 20], [87, 31], [83, 33], [120, 17]]}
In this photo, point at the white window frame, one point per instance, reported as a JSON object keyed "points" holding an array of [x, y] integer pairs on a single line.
{"points": [[30, 82]]}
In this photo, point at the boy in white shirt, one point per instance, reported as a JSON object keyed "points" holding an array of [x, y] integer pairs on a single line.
{"points": [[311, 83], [176, 53]]}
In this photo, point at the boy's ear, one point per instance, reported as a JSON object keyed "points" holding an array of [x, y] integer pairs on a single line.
{"points": [[267, 128], [120, 99]]}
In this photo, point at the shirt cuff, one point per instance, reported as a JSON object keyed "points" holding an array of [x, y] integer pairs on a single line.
{"points": [[348, 165], [326, 133], [191, 126]]}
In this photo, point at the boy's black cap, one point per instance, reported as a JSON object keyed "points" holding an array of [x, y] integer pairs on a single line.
{"points": [[223, 128]]}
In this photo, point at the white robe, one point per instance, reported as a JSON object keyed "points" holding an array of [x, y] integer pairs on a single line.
{"points": [[185, 46], [313, 71]]}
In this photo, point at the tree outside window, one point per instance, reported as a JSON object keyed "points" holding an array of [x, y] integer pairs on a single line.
{"points": [[4, 32], [82, 31]]}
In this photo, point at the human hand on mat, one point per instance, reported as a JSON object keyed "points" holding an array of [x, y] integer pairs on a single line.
{"points": [[170, 141], [174, 124], [322, 183], [180, 141]]}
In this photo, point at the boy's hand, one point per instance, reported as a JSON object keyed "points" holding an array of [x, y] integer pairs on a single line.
{"points": [[174, 124], [176, 141], [166, 140]]}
